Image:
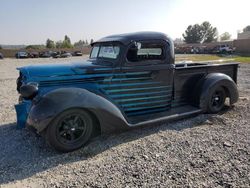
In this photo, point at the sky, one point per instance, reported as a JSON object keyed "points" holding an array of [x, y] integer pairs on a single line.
{"points": [[34, 21]]}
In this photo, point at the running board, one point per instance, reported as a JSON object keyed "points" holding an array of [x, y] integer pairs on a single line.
{"points": [[167, 118]]}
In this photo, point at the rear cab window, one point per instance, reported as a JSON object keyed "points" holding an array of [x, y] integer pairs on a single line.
{"points": [[146, 52]]}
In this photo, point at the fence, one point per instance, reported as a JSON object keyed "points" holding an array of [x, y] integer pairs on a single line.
{"points": [[11, 52], [242, 46]]}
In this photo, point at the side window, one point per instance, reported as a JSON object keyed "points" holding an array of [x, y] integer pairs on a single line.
{"points": [[145, 51]]}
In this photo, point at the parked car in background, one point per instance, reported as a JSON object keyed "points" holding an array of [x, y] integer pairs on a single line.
{"points": [[194, 50], [33, 54], [56, 54], [62, 54], [1, 56], [46, 54], [77, 53], [223, 49], [65, 54], [22, 55]]}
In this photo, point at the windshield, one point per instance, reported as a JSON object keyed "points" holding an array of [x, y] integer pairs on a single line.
{"points": [[105, 51]]}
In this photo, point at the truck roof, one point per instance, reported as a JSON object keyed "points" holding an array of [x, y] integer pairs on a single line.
{"points": [[128, 37]]}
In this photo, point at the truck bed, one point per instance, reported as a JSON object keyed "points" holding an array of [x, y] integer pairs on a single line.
{"points": [[229, 69], [186, 76]]}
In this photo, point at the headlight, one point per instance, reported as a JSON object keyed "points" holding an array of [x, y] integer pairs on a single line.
{"points": [[29, 91]]}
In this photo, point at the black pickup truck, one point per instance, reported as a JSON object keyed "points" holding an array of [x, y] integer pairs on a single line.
{"points": [[129, 80]]}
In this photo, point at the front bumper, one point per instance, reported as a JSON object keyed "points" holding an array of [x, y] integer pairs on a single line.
{"points": [[22, 111]]}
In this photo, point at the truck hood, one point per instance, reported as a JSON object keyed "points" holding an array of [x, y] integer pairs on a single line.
{"points": [[55, 70]]}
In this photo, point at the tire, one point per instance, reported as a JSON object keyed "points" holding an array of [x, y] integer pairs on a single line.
{"points": [[216, 100], [70, 130]]}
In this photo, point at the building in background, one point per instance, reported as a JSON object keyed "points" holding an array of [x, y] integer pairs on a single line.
{"points": [[244, 35]]}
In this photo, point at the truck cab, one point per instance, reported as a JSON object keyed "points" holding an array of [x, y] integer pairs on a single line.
{"points": [[129, 80], [142, 82]]}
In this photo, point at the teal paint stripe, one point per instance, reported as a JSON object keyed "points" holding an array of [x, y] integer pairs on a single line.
{"points": [[65, 83], [137, 94], [134, 73], [102, 69], [131, 73], [148, 102], [137, 89], [97, 75], [82, 77], [117, 74], [141, 98], [127, 84], [146, 107], [126, 79]]}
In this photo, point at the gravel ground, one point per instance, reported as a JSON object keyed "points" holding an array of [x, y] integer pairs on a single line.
{"points": [[203, 151]]}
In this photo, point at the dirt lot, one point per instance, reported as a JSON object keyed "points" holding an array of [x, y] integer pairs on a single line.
{"points": [[203, 151]]}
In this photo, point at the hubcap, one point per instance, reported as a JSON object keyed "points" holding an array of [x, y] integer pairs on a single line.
{"points": [[71, 128], [217, 99]]}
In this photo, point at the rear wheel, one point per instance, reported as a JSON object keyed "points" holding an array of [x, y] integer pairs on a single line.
{"points": [[70, 130], [216, 100]]}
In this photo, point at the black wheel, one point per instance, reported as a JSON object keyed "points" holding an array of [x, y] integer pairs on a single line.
{"points": [[70, 130], [216, 100]]}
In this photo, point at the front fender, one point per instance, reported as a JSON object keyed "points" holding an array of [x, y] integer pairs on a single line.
{"points": [[212, 80], [57, 101]]}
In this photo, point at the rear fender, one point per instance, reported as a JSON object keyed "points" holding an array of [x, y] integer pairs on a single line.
{"points": [[50, 105], [210, 81]]}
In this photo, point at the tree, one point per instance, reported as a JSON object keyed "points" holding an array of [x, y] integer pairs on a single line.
{"points": [[66, 42], [59, 44], [91, 41], [225, 36], [67, 39], [35, 47], [1, 47], [193, 34], [50, 43], [79, 44], [86, 42], [200, 33], [209, 33], [246, 29]]}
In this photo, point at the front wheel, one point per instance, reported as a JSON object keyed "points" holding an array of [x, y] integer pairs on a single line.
{"points": [[70, 130], [216, 100]]}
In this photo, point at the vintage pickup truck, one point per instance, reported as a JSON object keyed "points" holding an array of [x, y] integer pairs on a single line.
{"points": [[129, 80]]}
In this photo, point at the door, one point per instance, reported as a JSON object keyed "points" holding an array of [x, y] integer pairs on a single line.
{"points": [[146, 80]]}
